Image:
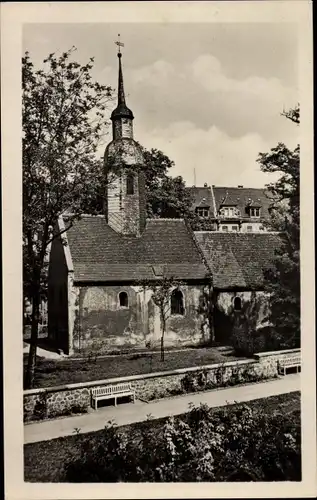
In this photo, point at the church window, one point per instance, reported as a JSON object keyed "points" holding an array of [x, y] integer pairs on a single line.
{"points": [[202, 212], [123, 299], [177, 302], [237, 304], [130, 184]]}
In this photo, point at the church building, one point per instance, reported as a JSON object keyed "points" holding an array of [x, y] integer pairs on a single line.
{"points": [[97, 298]]}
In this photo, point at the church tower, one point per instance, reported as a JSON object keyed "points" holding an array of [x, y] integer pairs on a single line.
{"points": [[125, 202]]}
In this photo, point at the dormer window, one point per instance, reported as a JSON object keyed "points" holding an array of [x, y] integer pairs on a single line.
{"points": [[229, 212], [202, 212], [253, 211]]}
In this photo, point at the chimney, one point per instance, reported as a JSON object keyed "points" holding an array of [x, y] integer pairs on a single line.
{"points": [[205, 185]]}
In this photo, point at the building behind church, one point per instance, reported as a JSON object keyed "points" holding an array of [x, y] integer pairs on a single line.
{"points": [[237, 209], [97, 300]]}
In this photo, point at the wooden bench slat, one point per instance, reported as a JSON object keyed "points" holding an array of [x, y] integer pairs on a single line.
{"points": [[110, 391], [290, 362]]}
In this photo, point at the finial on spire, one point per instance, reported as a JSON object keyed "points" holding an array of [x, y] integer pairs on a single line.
{"points": [[121, 111], [120, 44]]}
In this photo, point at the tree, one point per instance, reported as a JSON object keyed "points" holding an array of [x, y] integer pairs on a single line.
{"points": [[162, 290], [167, 197], [293, 114], [63, 122], [282, 280]]}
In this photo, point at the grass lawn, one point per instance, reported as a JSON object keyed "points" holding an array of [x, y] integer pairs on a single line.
{"points": [[44, 461], [67, 371]]}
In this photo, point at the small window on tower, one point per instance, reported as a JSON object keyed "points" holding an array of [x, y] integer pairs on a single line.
{"points": [[130, 184]]}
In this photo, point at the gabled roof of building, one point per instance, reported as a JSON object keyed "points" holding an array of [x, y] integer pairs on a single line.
{"points": [[237, 260], [228, 201], [99, 254], [242, 197]]}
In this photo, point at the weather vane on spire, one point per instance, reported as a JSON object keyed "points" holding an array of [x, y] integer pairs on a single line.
{"points": [[120, 44]]}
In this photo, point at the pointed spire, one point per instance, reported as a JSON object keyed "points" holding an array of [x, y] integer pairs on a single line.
{"points": [[121, 111], [121, 96]]}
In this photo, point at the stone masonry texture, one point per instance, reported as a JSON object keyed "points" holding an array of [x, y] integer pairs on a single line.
{"points": [[56, 402]]}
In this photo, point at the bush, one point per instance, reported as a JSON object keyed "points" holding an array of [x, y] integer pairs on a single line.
{"points": [[243, 340], [246, 341], [194, 381], [231, 444], [199, 381], [40, 408]]}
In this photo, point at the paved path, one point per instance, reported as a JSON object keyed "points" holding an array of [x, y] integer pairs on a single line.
{"points": [[129, 413]]}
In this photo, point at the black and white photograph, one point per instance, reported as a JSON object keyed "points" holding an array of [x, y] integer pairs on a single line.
{"points": [[162, 327]]}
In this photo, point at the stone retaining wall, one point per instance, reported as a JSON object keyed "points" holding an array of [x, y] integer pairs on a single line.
{"points": [[267, 361], [75, 398]]}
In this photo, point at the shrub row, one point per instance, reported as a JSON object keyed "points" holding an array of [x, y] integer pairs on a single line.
{"points": [[240, 443]]}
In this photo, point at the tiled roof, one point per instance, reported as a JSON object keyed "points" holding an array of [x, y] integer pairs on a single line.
{"points": [[101, 254], [237, 260], [243, 197], [201, 196]]}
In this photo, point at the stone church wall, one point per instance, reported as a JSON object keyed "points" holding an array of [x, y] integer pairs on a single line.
{"points": [[255, 304], [101, 324]]}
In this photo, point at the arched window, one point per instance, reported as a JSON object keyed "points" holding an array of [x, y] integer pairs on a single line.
{"points": [[237, 304], [123, 299], [177, 302], [130, 184]]}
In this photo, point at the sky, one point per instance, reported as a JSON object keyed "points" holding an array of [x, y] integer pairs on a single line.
{"points": [[209, 96]]}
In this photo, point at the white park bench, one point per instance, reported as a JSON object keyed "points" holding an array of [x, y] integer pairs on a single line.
{"points": [[111, 391], [290, 362]]}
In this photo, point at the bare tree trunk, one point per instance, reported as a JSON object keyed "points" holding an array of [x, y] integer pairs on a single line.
{"points": [[34, 338], [162, 348], [162, 339], [35, 290]]}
